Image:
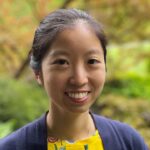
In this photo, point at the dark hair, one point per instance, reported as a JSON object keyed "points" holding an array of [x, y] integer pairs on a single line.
{"points": [[54, 23]]}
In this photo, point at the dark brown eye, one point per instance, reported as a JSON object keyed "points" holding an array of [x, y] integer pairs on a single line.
{"points": [[93, 61], [61, 62]]}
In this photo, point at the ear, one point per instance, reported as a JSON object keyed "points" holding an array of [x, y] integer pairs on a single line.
{"points": [[38, 77]]}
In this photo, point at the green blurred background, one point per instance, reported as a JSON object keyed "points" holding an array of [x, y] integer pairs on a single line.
{"points": [[126, 95]]}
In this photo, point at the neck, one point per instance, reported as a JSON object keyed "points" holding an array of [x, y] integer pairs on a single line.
{"points": [[70, 126]]}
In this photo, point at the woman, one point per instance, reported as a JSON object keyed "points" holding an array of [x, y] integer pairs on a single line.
{"points": [[68, 58]]}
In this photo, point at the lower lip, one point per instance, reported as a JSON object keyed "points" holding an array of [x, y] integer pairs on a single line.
{"points": [[79, 101]]}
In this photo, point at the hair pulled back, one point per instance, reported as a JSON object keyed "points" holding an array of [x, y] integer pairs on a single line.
{"points": [[54, 23]]}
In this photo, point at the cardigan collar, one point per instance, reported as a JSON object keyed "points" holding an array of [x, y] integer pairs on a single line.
{"points": [[98, 121], [101, 123]]}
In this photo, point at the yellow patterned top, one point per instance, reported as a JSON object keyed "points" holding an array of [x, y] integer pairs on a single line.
{"points": [[92, 143]]}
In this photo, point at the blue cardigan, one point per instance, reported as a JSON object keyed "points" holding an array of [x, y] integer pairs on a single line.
{"points": [[115, 136]]}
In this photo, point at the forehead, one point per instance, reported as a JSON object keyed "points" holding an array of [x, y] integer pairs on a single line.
{"points": [[76, 39]]}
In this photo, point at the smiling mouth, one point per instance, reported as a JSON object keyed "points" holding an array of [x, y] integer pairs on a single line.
{"points": [[78, 97]]}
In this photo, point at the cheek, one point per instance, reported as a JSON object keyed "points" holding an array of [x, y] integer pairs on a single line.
{"points": [[54, 83], [99, 79]]}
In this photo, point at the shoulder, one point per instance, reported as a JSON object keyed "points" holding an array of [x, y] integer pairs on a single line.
{"points": [[120, 132], [20, 137]]}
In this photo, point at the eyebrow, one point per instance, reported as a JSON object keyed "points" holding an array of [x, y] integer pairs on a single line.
{"points": [[94, 51], [57, 53]]}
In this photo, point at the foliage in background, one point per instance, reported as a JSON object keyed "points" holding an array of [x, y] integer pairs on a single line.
{"points": [[132, 58], [20, 101], [6, 128], [135, 87], [128, 70]]}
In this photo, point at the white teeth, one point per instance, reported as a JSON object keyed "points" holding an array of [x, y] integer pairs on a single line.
{"points": [[77, 95]]}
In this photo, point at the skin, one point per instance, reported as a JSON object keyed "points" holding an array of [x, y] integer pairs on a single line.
{"points": [[73, 64]]}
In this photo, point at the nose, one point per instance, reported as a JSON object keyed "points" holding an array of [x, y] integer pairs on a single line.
{"points": [[79, 76]]}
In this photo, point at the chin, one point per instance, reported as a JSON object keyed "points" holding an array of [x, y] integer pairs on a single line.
{"points": [[78, 110]]}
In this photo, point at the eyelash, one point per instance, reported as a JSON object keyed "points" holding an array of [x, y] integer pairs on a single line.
{"points": [[93, 61], [61, 62]]}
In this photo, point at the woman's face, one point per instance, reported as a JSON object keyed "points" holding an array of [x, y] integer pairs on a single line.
{"points": [[73, 70]]}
